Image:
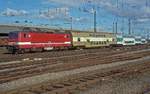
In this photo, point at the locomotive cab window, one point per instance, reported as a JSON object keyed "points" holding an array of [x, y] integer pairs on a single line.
{"points": [[67, 36], [25, 35]]}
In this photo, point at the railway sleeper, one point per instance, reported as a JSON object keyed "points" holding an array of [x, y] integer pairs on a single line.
{"points": [[88, 78], [83, 85], [66, 84], [58, 86], [37, 90], [26, 92], [45, 88]]}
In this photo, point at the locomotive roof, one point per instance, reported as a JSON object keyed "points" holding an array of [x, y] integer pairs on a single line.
{"points": [[40, 32], [11, 28], [61, 32]]}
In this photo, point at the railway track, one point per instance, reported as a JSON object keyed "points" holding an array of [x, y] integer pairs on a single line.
{"points": [[83, 81], [61, 58], [21, 57], [8, 74], [69, 54]]}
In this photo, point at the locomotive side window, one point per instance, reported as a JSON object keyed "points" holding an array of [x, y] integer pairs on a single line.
{"points": [[13, 35], [26, 35], [67, 36]]}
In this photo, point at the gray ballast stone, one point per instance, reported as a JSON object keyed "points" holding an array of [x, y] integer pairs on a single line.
{"points": [[52, 76], [41, 59]]}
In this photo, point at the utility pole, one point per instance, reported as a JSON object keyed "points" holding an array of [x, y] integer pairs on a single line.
{"points": [[122, 7], [146, 3], [48, 11], [117, 4], [114, 27], [129, 26], [147, 33], [71, 23], [116, 24], [94, 12], [95, 23]]}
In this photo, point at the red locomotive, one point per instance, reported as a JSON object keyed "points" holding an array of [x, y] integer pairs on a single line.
{"points": [[21, 42]]}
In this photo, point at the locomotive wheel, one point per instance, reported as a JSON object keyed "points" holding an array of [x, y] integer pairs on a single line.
{"points": [[21, 51], [40, 49], [14, 52]]}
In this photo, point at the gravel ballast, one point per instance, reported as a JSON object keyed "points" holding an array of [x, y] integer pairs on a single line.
{"points": [[52, 76]]}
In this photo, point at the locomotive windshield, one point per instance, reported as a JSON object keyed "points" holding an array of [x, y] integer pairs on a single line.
{"points": [[13, 35]]}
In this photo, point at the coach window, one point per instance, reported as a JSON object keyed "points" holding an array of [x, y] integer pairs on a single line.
{"points": [[88, 40], [95, 43], [107, 40], [98, 42], [113, 40], [103, 42], [79, 40], [92, 43]]}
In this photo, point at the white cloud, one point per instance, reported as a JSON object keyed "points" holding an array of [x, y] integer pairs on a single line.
{"points": [[71, 3], [54, 13], [79, 19], [146, 9], [143, 20], [13, 12], [126, 8]]}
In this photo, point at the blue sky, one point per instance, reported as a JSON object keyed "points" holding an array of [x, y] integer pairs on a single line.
{"points": [[57, 13]]}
